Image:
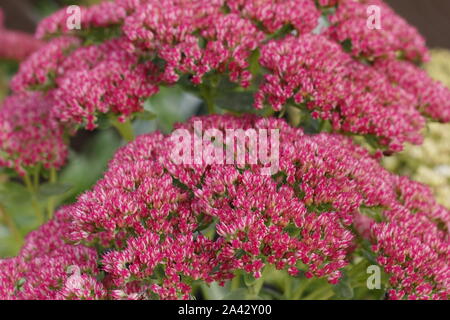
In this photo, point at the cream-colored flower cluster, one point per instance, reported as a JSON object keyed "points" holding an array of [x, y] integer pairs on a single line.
{"points": [[439, 67], [429, 163]]}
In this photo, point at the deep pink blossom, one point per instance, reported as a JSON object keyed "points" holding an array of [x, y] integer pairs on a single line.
{"points": [[413, 245], [177, 223], [174, 31], [105, 14], [302, 15], [432, 97], [101, 79], [142, 44], [29, 134], [395, 38], [158, 225], [39, 70], [49, 268], [312, 72]]}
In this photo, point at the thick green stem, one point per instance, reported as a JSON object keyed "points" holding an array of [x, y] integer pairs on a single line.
{"points": [[235, 282], [287, 287], [207, 92], [51, 200], [321, 294], [298, 293], [255, 288], [34, 202], [125, 129], [10, 223], [36, 173]]}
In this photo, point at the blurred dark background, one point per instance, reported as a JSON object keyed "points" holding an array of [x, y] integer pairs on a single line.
{"points": [[25, 14], [431, 17]]}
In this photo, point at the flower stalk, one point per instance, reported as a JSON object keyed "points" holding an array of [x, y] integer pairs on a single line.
{"points": [[32, 189]]}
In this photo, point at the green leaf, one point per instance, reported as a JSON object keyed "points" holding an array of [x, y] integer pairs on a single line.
{"points": [[235, 101], [85, 168], [53, 189], [347, 45], [146, 115], [375, 213], [15, 199], [249, 279], [213, 291], [372, 141], [254, 62], [170, 105], [241, 294], [103, 122], [343, 288], [13, 192], [159, 272]]}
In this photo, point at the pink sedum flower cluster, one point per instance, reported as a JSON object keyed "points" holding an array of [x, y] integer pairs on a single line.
{"points": [[315, 72], [28, 135], [127, 49], [394, 38], [413, 244], [158, 226], [302, 15], [104, 78], [103, 15], [194, 37], [49, 268], [39, 70], [432, 97], [298, 218]]}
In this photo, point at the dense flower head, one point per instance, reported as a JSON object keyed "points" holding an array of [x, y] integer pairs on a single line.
{"points": [[39, 70], [156, 225], [272, 15], [104, 14], [315, 72], [101, 79], [126, 49], [174, 223], [414, 245], [394, 38], [175, 30], [49, 268], [432, 97], [302, 15], [29, 135]]}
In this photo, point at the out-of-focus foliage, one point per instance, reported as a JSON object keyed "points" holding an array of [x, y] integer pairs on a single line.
{"points": [[429, 163], [3, 86], [7, 69], [17, 217]]}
